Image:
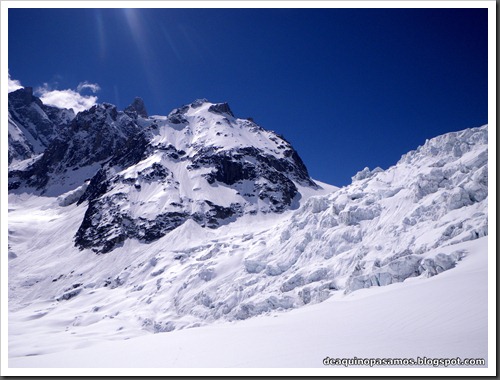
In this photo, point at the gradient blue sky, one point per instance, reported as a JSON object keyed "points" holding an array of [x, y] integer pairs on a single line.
{"points": [[348, 88]]}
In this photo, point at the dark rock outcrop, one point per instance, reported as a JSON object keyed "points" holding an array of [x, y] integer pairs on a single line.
{"points": [[32, 124], [137, 107]]}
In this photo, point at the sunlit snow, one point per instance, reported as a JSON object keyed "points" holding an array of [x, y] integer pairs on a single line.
{"points": [[393, 265]]}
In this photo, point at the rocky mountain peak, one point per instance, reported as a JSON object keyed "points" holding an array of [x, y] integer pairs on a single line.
{"points": [[33, 125], [203, 165], [22, 97], [198, 103], [221, 108], [138, 107], [179, 115]]}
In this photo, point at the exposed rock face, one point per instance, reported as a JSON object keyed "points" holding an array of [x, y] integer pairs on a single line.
{"points": [[146, 176], [33, 125], [91, 138], [221, 109], [137, 107]]}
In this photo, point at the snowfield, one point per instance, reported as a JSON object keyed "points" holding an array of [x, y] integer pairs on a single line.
{"points": [[440, 317]]}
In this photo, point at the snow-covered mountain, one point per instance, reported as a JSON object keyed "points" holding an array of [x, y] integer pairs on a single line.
{"points": [[32, 124], [141, 177], [138, 223]]}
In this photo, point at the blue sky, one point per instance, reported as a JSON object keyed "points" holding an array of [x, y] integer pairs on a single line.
{"points": [[348, 88]]}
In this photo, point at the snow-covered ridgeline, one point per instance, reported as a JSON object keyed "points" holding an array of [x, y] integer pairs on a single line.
{"points": [[144, 176]]}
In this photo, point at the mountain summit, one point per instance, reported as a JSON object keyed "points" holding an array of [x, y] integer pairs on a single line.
{"points": [[140, 177], [138, 107], [32, 124]]}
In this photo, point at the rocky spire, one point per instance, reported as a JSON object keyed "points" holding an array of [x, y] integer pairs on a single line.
{"points": [[221, 108], [138, 107]]}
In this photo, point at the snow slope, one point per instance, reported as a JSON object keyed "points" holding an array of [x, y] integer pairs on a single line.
{"points": [[440, 317]]}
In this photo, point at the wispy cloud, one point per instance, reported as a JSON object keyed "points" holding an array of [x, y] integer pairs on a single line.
{"points": [[69, 98], [14, 84], [94, 87]]}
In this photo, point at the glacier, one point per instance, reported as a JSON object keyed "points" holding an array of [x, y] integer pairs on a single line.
{"points": [[129, 224]]}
